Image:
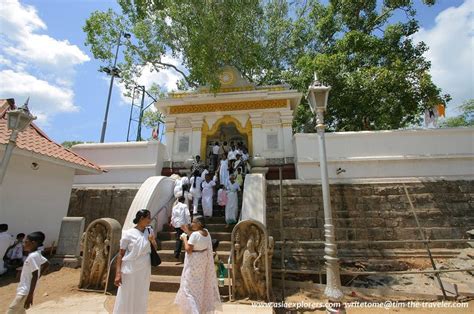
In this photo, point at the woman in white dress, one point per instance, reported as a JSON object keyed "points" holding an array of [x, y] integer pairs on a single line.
{"points": [[224, 170], [195, 190], [207, 193], [232, 206], [134, 267], [198, 292]]}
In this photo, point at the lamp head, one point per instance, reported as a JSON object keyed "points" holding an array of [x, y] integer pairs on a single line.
{"points": [[318, 95], [20, 118]]}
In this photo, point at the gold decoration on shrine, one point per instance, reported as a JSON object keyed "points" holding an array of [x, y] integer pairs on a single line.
{"points": [[233, 106]]}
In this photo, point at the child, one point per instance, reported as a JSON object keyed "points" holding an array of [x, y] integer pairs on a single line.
{"points": [[239, 178], [35, 264], [15, 252], [221, 197]]}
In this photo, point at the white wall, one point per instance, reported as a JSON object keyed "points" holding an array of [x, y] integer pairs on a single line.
{"points": [[129, 162], [35, 200], [379, 154]]}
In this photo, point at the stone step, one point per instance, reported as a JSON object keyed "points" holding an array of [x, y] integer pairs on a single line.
{"points": [[171, 284], [168, 255], [171, 235], [173, 268], [170, 245], [212, 227]]}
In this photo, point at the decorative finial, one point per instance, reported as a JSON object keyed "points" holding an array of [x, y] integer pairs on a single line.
{"points": [[25, 105], [316, 81]]}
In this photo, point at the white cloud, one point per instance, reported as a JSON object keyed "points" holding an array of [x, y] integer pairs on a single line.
{"points": [[35, 64], [451, 44], [45, 98], [18, 25]]}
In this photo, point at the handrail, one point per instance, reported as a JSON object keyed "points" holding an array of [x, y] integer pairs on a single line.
{"points": [[108, 272]]}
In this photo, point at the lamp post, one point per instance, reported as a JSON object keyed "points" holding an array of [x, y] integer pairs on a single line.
{"points": [[18, 120], [318, 98], [113, 72]]}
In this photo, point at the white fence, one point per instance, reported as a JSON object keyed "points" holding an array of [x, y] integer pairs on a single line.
{"points": [[445, 153]]}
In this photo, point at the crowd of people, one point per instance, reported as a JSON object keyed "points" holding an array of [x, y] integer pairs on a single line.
{"points": [[23, 253], [225, 170]]}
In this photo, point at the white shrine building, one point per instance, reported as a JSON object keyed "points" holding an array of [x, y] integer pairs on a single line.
{"points": [[260, 117]]}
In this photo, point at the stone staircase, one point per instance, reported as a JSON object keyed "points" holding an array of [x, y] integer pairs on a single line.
{"points": [[167, 276]]}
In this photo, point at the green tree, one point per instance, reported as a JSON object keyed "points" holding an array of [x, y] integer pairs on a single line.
{"points": [[152, 119], [379, 77], [69, 144], [466, 118]]}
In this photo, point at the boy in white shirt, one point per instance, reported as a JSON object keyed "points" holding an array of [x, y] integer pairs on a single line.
{"points": [[35, 264], [180, 219]]}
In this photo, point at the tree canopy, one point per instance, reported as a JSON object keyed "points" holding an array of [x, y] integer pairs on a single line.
{"points": [[363, 49]]}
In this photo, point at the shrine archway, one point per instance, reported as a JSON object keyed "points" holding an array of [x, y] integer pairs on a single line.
{"points": [[226, 129]]}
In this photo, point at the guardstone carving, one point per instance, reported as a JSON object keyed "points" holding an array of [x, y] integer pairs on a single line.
{"points": [[252, 253], [100, 244]]}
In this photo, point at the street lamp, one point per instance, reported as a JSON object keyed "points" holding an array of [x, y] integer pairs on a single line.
{"points": [[318, 99], [113, 72], [18, 120]]}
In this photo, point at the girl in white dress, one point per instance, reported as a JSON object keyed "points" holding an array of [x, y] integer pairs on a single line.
{"points": [[224, 170], [232, 206], [207, 193], [195, 190], [198, 292], [134, 266]]}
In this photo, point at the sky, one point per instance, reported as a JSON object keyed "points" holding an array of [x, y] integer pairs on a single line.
{"points": [[43, 56]]}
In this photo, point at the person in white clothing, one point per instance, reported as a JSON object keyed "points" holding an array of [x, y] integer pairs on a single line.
{"points": [[232, 206], [204, 172], [35, 265], [195, 190], [180, 219], [14, 255], [215, 155], [207, 193], [6, 240], [198, 292], [133, 268], [223, 170]]}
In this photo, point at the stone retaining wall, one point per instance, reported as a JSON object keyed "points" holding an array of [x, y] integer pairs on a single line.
{"points": [[369, 212], [99, 203]]}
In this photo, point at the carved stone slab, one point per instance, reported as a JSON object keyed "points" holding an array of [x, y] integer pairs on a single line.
{"points": [[252, 252], [101, 244], [68, 250]]}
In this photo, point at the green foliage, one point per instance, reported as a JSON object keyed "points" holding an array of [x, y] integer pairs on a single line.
{"points": [[152, 119], [466, 118], [69, 144], [379, 77]]}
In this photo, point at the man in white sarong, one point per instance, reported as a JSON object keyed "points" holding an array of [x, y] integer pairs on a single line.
{"points": [[207, 193], [232, 206]]}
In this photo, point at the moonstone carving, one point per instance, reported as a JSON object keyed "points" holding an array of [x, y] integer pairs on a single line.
{"points": [[251, 259], [100, 245]]}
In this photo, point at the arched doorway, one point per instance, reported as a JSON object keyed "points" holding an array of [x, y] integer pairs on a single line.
{"points": [[226, 129]]}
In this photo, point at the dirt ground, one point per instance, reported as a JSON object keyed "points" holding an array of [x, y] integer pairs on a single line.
{"points": [[60, 285]]}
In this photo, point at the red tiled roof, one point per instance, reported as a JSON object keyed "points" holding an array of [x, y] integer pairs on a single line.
{"points": [[34, 140]]}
